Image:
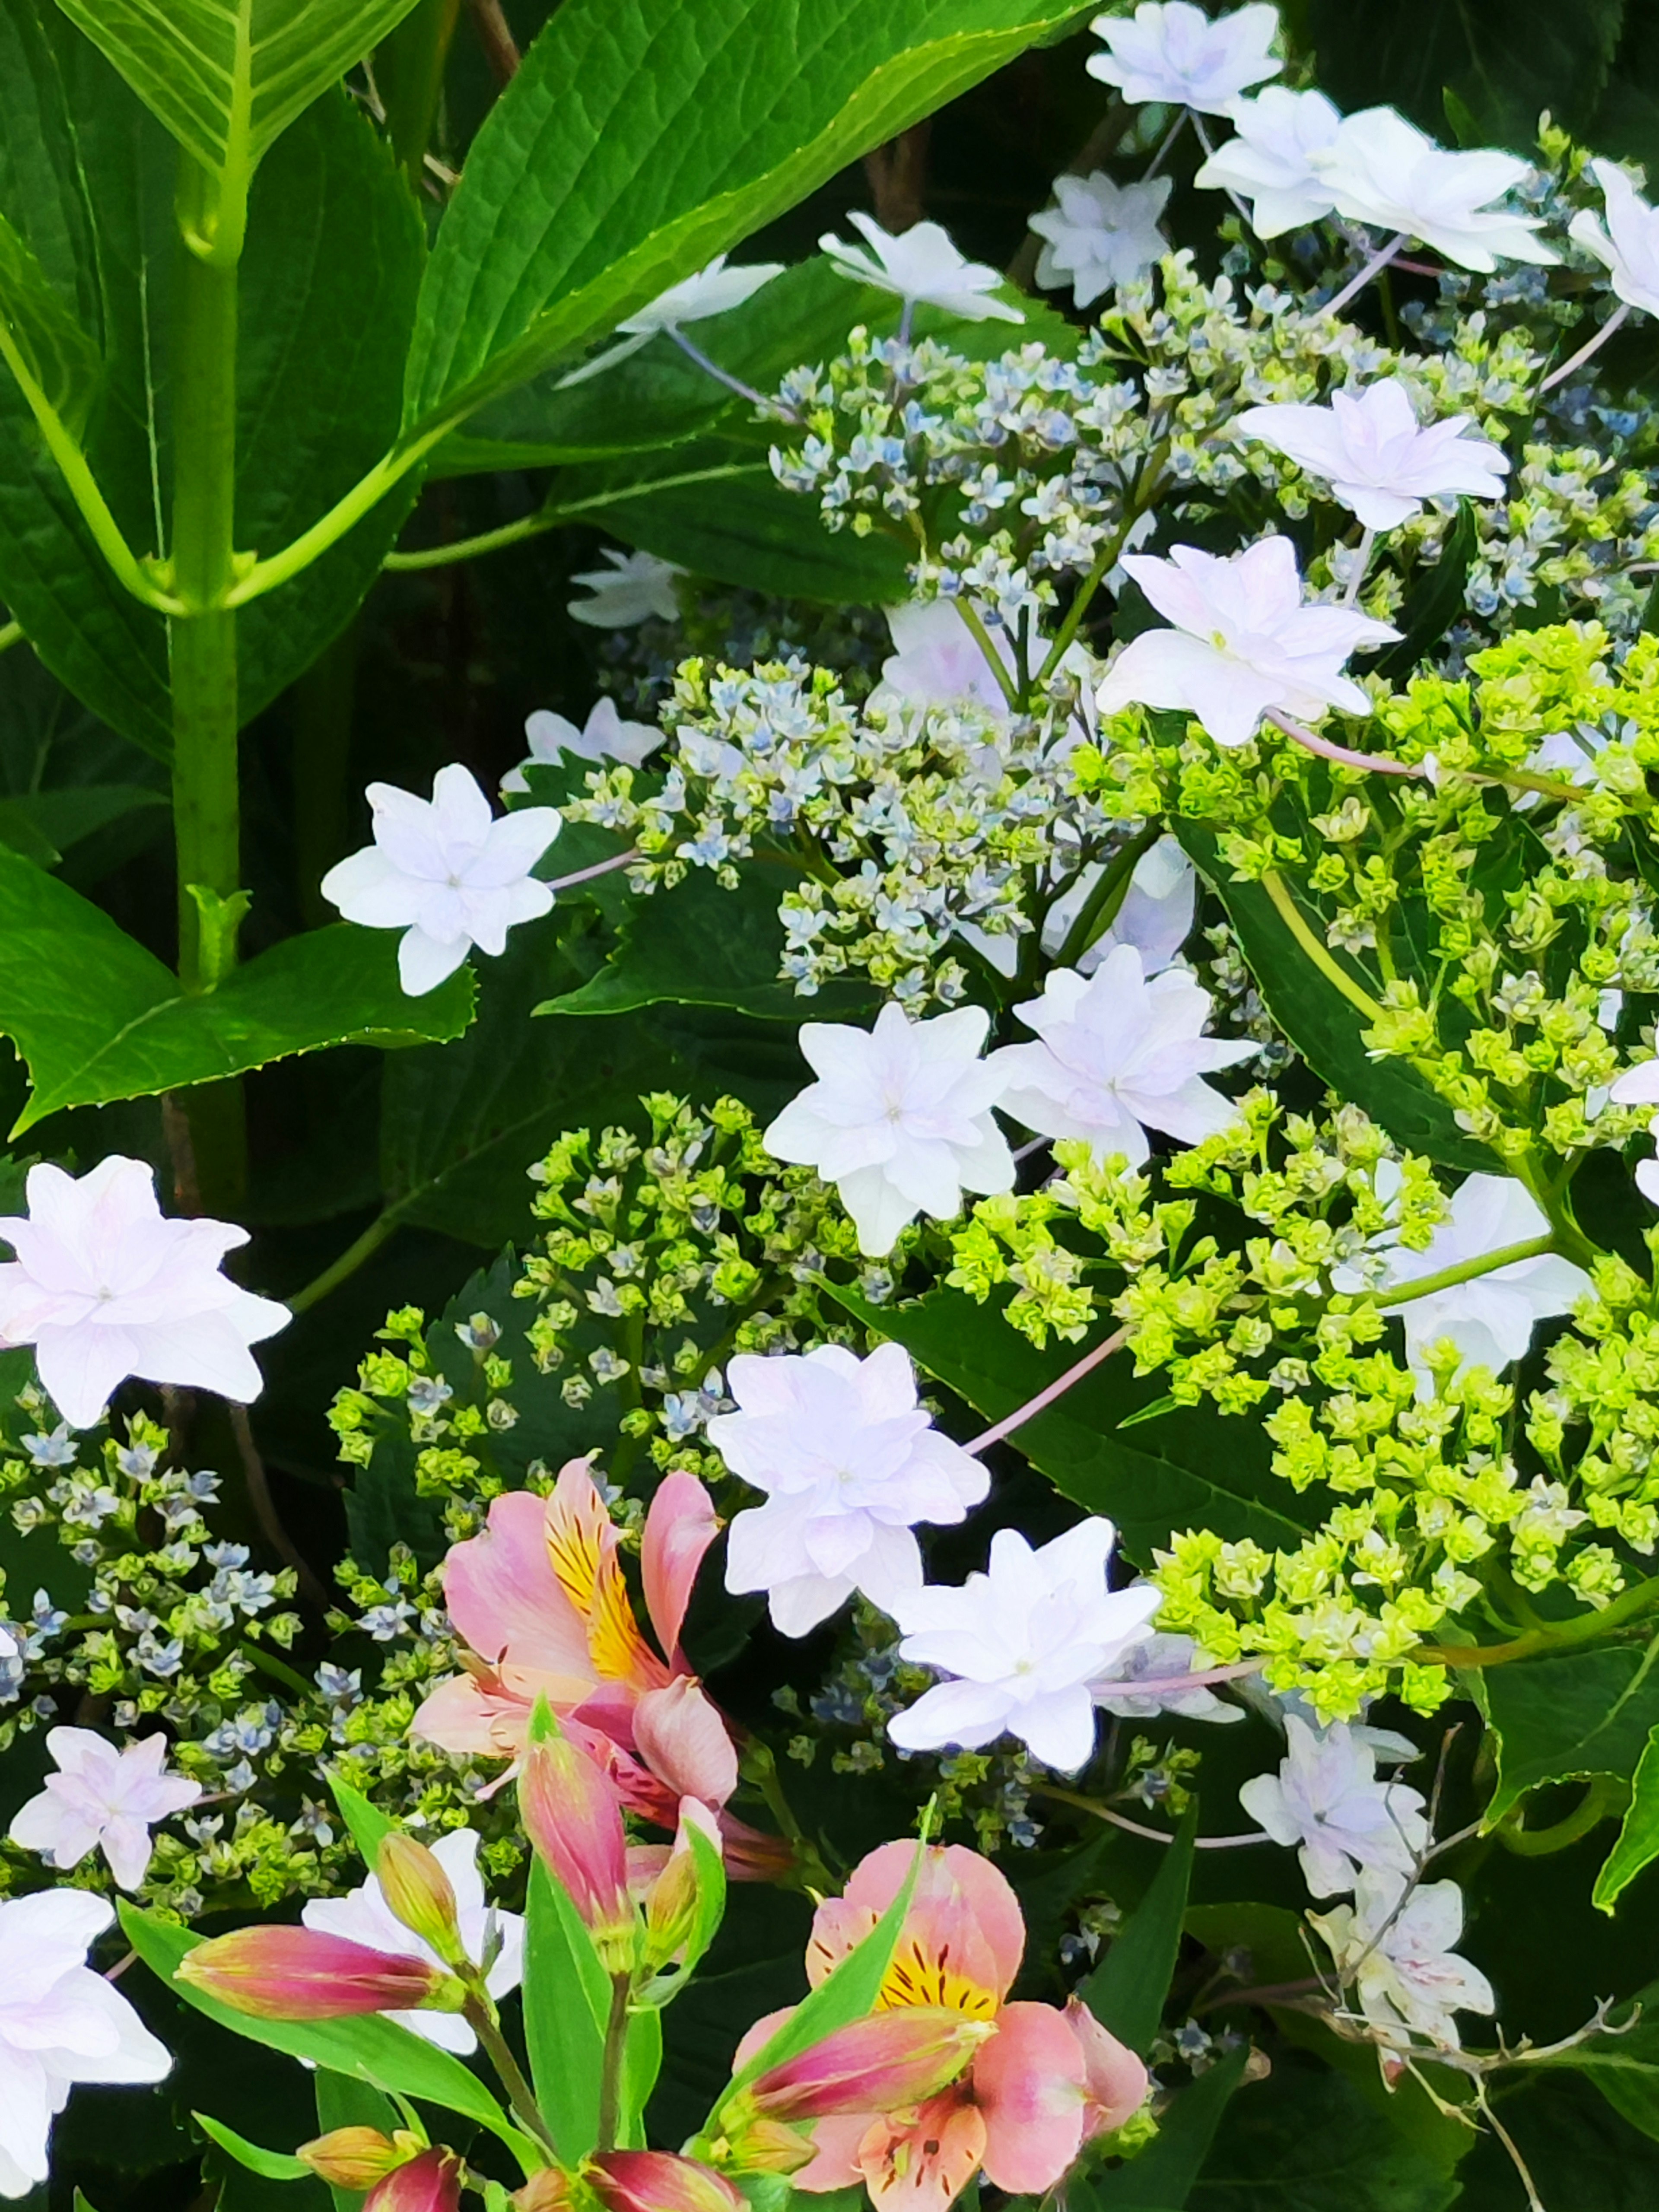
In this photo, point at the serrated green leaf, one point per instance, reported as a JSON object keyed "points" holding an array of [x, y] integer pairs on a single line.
{"points": [[98, 1017], [1127, 1990], [1566, 1718], [272, 2165], [572, 212]]}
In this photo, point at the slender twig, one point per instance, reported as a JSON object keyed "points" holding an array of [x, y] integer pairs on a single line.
{"points": [[1362, 561], [1378, 262], [1166, 145], [1591, 346], [495, 37], [615, 2047], [265, 1508], [599, 868], [695, 352], [1044, 1399], [361, 1248], [1343, 755], [552, 516], [1138, 1828], [1535, 2203], [1208, 144], [479, 2015]]}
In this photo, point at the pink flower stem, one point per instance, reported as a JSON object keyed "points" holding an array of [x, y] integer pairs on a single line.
{"points": [[1378, 262], [1593, 346], [1380, 763], [599, 868], [1136, 1685], [1044, 1399], [723, 376]]}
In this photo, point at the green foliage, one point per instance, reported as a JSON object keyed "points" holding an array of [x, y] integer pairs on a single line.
{"points": [[1128, 1991], [567, 1998], [1554, 1719]]}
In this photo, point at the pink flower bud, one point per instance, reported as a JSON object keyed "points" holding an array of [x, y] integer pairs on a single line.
{"points": [[1115, 2081], [300, 1973], [420, 1893], [356, 2157], [676, 1898], [573, 1816], [659, 2181], [874, 2065], [430, 2183]]}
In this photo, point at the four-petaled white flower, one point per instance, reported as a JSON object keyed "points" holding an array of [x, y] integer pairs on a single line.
{"points": [[1406, 1975], [1384, 171], [1379, 461], [103, 1799], [1024, 1641], [850, 1463], [923, 268], [1175, 53], [1242, 643], [899, 1120], [1326, 1799], [1101, 234], [60, 2022], [1491, 1317], [446, 873], [1118, 1055], [1627, 243], [603, 737], [712, 291], [104, 1287], [1156, 917], [634, 585], [1159, 1659], [1271, 161], [364, 1915]]}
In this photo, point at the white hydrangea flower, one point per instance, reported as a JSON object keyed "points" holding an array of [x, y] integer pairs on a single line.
{"points": [[850, 1463], [1627, 242], [104, 1286], [1156, 917], [1378, 460], [364, 1915], [1175, 53], [1407, 1978], [712, 291], [102, 1798], [1326, 1799], [1384, 171], [1270, 162], [603, 737], [1023, 1641], [1100, 234], [1243, 641], [1118, 1056], [446, 873], [923, 268], [899, 1118], [635, 585]]}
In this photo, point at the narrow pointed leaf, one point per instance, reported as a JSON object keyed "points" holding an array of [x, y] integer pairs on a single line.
{"points": [[1127, 1990]]}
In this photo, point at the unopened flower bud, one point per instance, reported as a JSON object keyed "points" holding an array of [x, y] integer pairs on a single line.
{"points": [[659, 2181], [873, 2065], [429, 2183], [420, 1893], [356, 2157], [675, 1901], [573, 1816], [762, 2146], [549, 2190], [300, 1973]]}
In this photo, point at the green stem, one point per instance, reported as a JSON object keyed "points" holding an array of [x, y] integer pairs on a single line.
{"points": [[1466, 1271], [994, 661], [365, 495], [10, 635], [350, 1260], [479, 2015], [615, 2051], [1279, 892], [551, 517], [1606, 1796], [1563, 1635]]}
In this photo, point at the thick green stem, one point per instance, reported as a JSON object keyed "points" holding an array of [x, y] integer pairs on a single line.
{"points": [[1559, 1636], [616, 2051], [480, 2015]]}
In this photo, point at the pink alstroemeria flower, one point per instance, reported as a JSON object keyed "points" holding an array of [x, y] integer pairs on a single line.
{"points": [[1040, 2087], [538, 1598]]}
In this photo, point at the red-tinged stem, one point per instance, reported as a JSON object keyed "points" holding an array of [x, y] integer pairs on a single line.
{"points": [[1134, 1686], [1591, 347], [1380, 763], [1378, 262], [1044, 1399], [599, 868]]}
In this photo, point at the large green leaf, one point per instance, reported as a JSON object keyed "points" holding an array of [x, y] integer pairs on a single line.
{"points": [[1637, 1844], [697, 121], [97, 1018], [1160, 2179], [1127, 1990], [1566, 1718], [566, 1995], [41, 337], [1327, 1027], [226, 77], [1306, 2141], [1179, 1469]]}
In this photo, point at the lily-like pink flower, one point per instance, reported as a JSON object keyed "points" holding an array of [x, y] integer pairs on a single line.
{"points": [[888, 2060], [300, 1973], [659, 2181], [1039, 2087]]}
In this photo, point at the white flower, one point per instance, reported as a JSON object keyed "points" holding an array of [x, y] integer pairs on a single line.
{"points": [[1118, 1055], [1243, 641], [364, 1915], [444, 872], [1176, 54], [102, 1798], [937, 660], [1024, 1641], [1406, 1975], [1637, 1086], [104, 1288], [1627, 242], [1490, 1318], [712, 291], [1159, 1659], [603, 737], [850, 1463], [1379, 463], [1156, 917], [635, 585], [1102, 234], [1270, 162], [899, 1120], [1383, 170], [60, 2023], [1326, 1798], [923, 268]]}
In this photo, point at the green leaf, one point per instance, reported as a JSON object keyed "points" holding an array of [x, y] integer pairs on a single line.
{"points": [[369, 2048], [641, 2064], [1304, 2141], [1160, 2177], [226, 77], [274, 2164], [41, 338], [573, 212], [1127, 1990], [567, 1998], [1435, 600], [1327, 1027], [367, 1825], [1183, 1470], [97, 1018], [1637, 1844], [1564, 1719]]}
